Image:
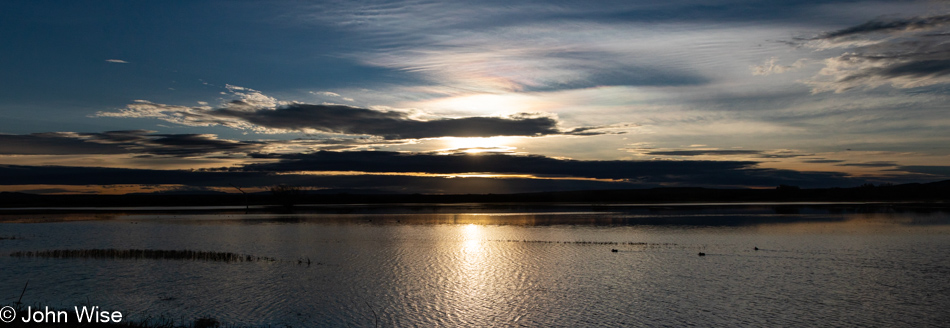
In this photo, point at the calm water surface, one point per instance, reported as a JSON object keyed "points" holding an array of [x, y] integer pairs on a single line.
{"points": [[814, 267]]}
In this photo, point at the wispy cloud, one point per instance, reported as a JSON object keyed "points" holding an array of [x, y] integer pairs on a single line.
{"points": [[117, 61], [772, 66], [463, 47], [938, 171], [912, 24], [331, 94], [903, 53], [871, 164], [822, 161], [643, 149], [726, 152]]}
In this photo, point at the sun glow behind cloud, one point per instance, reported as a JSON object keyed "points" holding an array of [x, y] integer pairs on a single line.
{"points": [[441, 175], [479, 145], [487, 104]]}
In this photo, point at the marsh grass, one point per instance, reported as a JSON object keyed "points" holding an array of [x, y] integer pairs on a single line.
{"points": [[151, 254]]}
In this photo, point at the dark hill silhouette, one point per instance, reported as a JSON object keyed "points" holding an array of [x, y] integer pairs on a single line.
{"points": [[914, 192]]}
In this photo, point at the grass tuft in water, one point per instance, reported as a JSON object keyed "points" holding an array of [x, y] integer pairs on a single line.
{"points": [[151, 254]]}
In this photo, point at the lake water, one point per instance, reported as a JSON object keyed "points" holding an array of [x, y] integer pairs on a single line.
{"points": [[474, 265]]}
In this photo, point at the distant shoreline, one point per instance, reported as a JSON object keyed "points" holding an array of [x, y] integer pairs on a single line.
{"points": [[442, 213], [307, 208], [934, 194]]}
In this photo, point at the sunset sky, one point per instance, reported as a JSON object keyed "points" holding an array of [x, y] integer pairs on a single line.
{"points": [[471, 97]]}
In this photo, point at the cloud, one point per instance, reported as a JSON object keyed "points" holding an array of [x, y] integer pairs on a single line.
{"points": [[938, 170], [258, 112], [380, 161], [179, 145], [83, 177], [251, 99], [145, 142], [52, 144], [117, 61], [704, 152], [599, 130], [853, 70], [398, 125], [659, 172], [66, 175], [332, 144], [526, 59], [122, 142], [494, 47], [888, 26], [425, 172], [903, 53], [870, 164], [722, 152], [772, 66], [388, 124]]}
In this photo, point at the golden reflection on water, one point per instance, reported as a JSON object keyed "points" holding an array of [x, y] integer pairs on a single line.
{"points": [[472, 234], [475, 279], [473, 259]]}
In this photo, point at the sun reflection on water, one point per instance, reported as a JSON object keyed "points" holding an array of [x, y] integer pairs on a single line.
{"points": [[472, 241], [474, 280]]}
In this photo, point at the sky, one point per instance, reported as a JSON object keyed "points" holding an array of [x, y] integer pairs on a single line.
{"points": [[446, 97]]}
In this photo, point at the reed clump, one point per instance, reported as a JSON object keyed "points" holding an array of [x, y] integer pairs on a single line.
{"points": [[151, 254]]}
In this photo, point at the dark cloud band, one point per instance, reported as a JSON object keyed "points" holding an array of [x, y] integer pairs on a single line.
{"points": [[121, 142], [390, 125], [271, 116], [378, 161], [376, 165]]}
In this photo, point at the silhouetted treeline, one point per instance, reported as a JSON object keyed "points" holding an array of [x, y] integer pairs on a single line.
{"points": [[928, 192]]}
